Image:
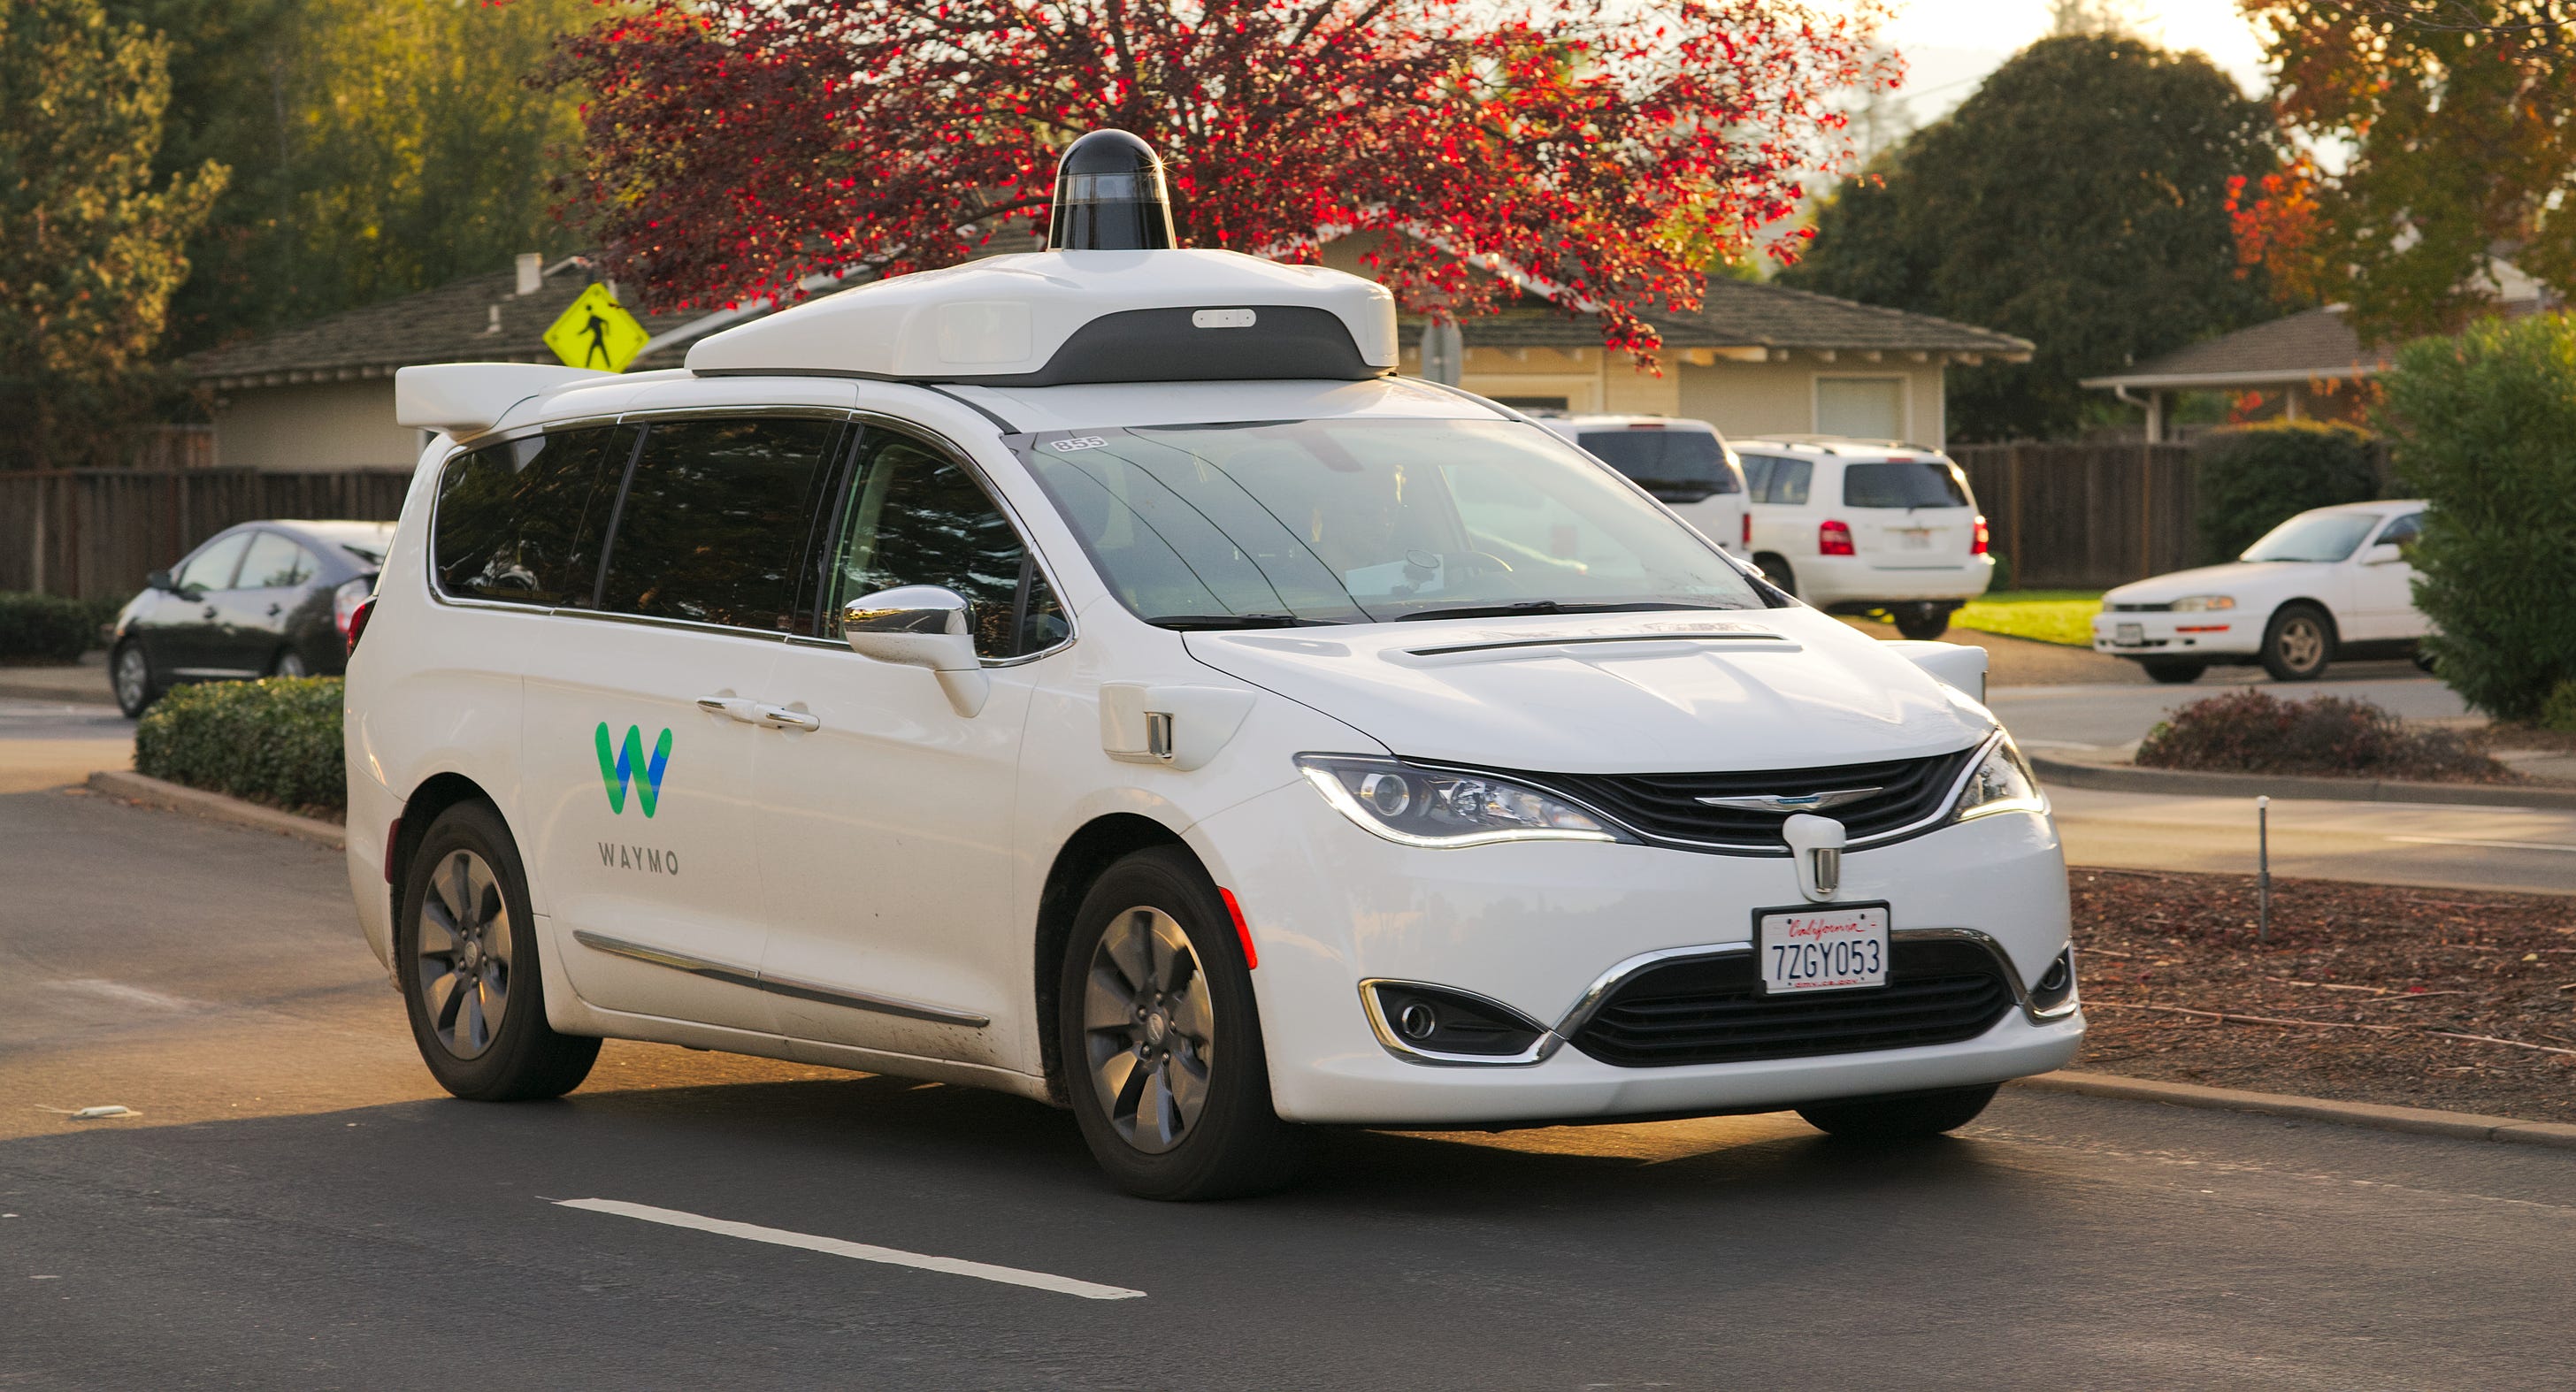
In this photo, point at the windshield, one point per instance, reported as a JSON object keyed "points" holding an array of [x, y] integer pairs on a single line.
{"points": [[1921, 483], [1678, 466], [1359, 520], [2313, 536]]}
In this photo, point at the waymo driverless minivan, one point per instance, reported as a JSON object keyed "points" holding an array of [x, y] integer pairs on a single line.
{"points": [[1092, 674]]}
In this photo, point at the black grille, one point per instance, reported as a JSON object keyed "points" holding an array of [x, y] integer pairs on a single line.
{"points": [[1666, 805], [1712, 1010], [2139, 608]]}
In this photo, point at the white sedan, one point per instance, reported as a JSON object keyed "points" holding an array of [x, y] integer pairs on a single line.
{"points": [[2328, 583]]}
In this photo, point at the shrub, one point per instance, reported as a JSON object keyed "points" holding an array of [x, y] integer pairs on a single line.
{"points": [[2559, 711], [275, 741], [2485, 428], [45, 626], [2252, 732], [2255, 477]]}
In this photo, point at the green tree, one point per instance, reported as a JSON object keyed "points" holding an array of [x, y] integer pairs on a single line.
{"points": [[90, 240], [2079, 200], [379, 147]]}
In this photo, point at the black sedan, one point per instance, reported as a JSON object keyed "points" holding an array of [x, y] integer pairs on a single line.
{"points": [[264, 599]]}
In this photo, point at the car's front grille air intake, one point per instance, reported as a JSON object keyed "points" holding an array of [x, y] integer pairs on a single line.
{"points": [[1667, 806], [1712, 1010]]}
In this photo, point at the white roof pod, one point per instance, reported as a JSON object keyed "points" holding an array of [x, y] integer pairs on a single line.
{"points": [[1115, 302], [467, 398]]}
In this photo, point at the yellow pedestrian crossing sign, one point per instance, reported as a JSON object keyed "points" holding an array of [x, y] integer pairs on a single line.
{"points": [[597, 332]]}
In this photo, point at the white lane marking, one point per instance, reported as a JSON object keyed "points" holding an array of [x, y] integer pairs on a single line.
{"points": [[2495, 845], [833, 1246]]}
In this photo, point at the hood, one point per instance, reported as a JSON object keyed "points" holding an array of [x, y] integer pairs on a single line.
{"points": [[1613, 693], [2164, 589]]}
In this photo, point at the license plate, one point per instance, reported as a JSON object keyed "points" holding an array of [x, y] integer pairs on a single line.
{"points": [[1915, 539], [2132, 634], [1837, 947]]}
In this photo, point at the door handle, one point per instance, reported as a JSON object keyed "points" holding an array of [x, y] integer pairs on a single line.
{"points": [[783, 718], [274, 610], [735, 706], [210, 611]]}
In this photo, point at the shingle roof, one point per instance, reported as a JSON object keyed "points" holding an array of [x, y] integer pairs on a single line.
{"points": [[1748, 314], [2318, 343], [451, 323]]}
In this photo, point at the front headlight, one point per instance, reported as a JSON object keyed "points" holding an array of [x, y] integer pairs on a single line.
{"points": [[2002, 783], [2202, 603], [1415, 806]]}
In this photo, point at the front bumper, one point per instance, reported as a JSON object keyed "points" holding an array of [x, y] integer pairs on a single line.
{"points": [[1540, 926], [2167, 634]]}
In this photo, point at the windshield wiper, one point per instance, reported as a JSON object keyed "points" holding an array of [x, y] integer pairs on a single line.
{"points": [[1539, 606], [1189, 622]]}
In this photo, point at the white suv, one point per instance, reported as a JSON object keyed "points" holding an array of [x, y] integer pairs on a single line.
{"points": [[1684, 463], [1094, 676], [1853, 526]]}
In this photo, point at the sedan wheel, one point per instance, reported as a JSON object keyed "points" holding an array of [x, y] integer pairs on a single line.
{"points": [[133, 680], [2298, 644], [1149, 1030], [290, 665]]}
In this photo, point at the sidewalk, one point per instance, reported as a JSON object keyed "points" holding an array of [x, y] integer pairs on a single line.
{"points": [[85, 682]]}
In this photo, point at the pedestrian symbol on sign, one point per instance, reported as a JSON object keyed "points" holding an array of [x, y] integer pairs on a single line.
{"points": [[597, 332]]}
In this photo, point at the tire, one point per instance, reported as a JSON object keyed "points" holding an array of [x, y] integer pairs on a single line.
{"points": [[129, 672], [2173, 671], [1899, 1116], [2298, 643], [289, 664], [2422, 659], [1161, 1041], [1775, 568], [466, 873], [1922, 621]]}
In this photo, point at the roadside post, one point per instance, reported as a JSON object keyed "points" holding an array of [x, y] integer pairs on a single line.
{"points": [[2262, 869]]}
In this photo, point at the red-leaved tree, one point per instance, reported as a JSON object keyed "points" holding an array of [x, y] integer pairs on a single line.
{"points": [[1601, 151]]}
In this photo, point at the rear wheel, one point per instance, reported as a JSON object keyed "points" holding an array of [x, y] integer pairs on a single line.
{"points": [[130, 671], [1775, 568], [465, 951], [289, 664], [1161, 1042], [1921, 620], [2298, 643], [2174, 671], [1900, 1116]]}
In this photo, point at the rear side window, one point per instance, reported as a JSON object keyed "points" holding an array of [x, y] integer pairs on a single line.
{"points": [[715, 520], [521, 521], [1678, 466], [275, 563], [1774, 479], [1914, 484], [916, 518]]}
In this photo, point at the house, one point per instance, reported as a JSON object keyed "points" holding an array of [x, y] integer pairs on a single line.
{"points": [[2301, 366]]}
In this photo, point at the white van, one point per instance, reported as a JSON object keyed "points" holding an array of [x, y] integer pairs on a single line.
{"points": [[1090, 674], [1858, 526], [1684, 463]]}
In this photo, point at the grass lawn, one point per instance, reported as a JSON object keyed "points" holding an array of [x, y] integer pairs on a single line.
{"points": [[2047, 616]]}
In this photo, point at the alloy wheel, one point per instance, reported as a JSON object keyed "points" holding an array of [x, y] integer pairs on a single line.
{"points": [[464, 954], [133, 677], [290, 665], [1148, 1029], [2302, 643]]}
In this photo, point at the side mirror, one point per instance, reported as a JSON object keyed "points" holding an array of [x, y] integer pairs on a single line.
{"points": [[160, 580], [2385, 553], [921, 626]]}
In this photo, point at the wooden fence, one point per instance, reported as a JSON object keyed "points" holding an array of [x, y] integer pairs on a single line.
{"points": [[95, 533], [2086, 516]]}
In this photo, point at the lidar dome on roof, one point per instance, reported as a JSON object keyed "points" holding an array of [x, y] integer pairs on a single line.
{"points": [[1055, 317]]}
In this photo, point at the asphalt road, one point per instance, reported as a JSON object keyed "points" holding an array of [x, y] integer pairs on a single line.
{"points": [[294, 1208], [2381, 842]]}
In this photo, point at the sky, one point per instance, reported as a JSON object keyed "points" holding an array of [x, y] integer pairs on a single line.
{"points": [[1950, 44]]}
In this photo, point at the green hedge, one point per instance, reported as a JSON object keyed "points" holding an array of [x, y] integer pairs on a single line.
{"points": [[275, 741], [2256, 477], [47, 627], [2483, 425]]}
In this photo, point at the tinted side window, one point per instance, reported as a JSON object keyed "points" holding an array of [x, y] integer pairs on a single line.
{"points": [[2404, 532], [274, 563], [1678, 466], [212, 568], [1786, 482], [1757, 474], [916, 518], [1915, 484], [522, 520], [715, 519]]}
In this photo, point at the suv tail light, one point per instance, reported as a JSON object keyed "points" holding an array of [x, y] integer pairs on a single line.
{"points": [[1977, 545], [1833, 539], [351, 604], [1748, 529]]}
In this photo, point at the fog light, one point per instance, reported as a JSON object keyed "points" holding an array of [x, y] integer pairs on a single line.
{"points": [[1417, 1021], [2056, 984], [1441, 1021]]}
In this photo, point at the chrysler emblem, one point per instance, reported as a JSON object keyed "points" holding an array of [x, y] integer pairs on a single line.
{"points": [[1785, 803]]}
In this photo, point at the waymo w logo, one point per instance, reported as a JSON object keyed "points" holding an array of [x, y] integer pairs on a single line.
{"points": [[625, 764]]}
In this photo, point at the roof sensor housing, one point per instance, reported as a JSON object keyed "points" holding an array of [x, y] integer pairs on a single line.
{"points": [[1110, 195]]}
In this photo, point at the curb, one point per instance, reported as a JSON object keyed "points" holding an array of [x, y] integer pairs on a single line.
{"points": [[2123, 779], [67, 693], [2466, 1126], [134, 787]]}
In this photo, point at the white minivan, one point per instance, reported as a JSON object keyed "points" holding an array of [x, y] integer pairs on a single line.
{"points": [[1860, 526], [1091, 674], [1684, 463]]}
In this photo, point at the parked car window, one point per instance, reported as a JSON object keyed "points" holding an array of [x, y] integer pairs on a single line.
{"points": [[1784, 481], [2404, 532], [274, 563], [1757, 474], [715, 520], [916, 518], [520, 521], [1678, 466], [2313, 536], [212, 568], [1919, 483]]}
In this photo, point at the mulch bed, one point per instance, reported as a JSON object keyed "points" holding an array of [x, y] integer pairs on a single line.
{"points": [[2455, 999]]}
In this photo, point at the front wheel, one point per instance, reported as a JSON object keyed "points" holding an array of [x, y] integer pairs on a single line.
{"points": [[1161, 1042], [465, 951], [2173, 672], [1901, 1116], [1922, 621], [2298, 643], [130, 672]]}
